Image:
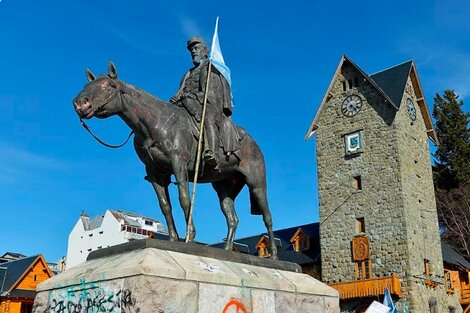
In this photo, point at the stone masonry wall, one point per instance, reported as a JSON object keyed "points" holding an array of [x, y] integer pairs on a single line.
{"points": [[380, 202], [423, 241]]}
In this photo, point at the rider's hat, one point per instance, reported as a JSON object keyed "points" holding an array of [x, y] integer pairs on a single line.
{"points": [[194, 40]]}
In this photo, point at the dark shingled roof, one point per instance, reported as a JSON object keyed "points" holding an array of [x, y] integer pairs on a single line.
{"points": [[451, 256], [13, 255], [22, 293], [286, 251], [11, 271], [393, 80]]}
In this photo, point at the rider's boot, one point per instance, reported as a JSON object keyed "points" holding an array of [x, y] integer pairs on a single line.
{"points": [[210, 154]]}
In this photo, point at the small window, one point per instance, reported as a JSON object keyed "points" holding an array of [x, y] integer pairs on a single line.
{"points": [[427, 268], [263, 251], [101, 232], [360, 225], [150, 223], [35, 277], [344, 85], [100, 247], [123, 227], [433, 305], [355, 82], [350, 82], [357, 182], [90, 235], [89, 250]]}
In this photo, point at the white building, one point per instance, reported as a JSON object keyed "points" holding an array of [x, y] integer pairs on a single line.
{"points": [[112, 228]]}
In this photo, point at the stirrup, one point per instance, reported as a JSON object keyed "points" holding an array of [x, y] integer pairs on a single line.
{"points": [[210, 158]]}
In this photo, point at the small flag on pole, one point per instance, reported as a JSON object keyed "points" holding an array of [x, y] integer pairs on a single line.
{"points": [[216, 56], [388, 301]]}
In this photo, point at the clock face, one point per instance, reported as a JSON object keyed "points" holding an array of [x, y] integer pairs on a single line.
{"points": [[411, 109], [351, 105]]}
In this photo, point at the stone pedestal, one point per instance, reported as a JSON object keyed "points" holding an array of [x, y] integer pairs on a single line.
{"points": [[152, 280]]}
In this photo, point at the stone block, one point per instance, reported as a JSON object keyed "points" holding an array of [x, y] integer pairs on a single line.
{"points": [[152, 280]]}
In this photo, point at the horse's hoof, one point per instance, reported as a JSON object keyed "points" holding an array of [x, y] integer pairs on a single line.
{"points": [[173, 238]]}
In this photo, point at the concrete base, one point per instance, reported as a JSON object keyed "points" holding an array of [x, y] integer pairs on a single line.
{"points": [[152, 280]]}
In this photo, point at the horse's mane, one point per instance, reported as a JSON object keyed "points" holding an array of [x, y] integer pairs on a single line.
{"points": [[154, 104], [142, 92]]}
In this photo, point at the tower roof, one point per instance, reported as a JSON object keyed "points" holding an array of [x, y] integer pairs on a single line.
{"points": [[393, 80], [390, 84]]}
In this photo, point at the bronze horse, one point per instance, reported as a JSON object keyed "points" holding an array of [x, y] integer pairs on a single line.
{"points": [[165, 141]]}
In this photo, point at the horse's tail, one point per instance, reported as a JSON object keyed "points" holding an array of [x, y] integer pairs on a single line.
{"points": [[254, 170], [254, 205]]}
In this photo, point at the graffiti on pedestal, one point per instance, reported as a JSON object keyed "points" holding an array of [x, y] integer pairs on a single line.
{"points": [[108, 297], [235, 306]]}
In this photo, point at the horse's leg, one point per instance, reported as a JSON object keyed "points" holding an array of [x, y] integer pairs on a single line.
{"points": [[256, 181], [180, 170], [160, 185], [227, 190]]}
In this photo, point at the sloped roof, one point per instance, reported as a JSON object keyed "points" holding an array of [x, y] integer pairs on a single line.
{"points": [[286, 251], [13, 255], [131, 214], [11, 272], [129, 218], [451, 256], [393, 80], [389, 83]]}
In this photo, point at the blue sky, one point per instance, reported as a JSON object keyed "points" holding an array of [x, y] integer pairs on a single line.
{"points": [[282, 56]]}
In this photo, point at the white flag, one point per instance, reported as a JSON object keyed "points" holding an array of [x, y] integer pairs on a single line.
{"points": [[216, 56]]}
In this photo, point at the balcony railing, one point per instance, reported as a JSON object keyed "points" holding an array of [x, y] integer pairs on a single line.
{"points": [[368, 287], [465, 296]]}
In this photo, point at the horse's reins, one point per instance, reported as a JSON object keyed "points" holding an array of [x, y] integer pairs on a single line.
{"points": [[82, 122]]}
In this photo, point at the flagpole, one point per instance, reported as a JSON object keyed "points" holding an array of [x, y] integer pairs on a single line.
{"points": [[198, 154]]}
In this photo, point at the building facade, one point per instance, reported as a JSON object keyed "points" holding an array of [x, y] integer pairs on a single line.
{"points": [[18, 281], [112, 228], [377, 208]]}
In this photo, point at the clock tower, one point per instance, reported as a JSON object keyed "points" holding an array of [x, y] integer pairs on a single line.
{"points": [[378, 220]]}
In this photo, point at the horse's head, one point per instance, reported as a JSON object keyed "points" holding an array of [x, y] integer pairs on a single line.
{"points": [[100, 97]]}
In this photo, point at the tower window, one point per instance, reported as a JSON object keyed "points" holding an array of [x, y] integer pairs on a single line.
{"points": [[344, 85], [357, 182], [363, 270], [350, 82], [150, 223], [355, 82], [427, 268], [360, 225], [35, 277]]}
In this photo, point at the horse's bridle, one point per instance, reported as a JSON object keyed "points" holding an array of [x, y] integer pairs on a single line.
{"points": [[82, 122]]}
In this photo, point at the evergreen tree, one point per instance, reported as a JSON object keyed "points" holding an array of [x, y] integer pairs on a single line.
{"points": [[453, 153], [452, 170]]}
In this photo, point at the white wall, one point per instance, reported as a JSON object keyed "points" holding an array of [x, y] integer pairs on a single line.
{"points": [[82, 242]]}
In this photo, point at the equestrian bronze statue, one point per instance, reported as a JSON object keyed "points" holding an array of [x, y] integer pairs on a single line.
{"points": [[166, 142]]}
